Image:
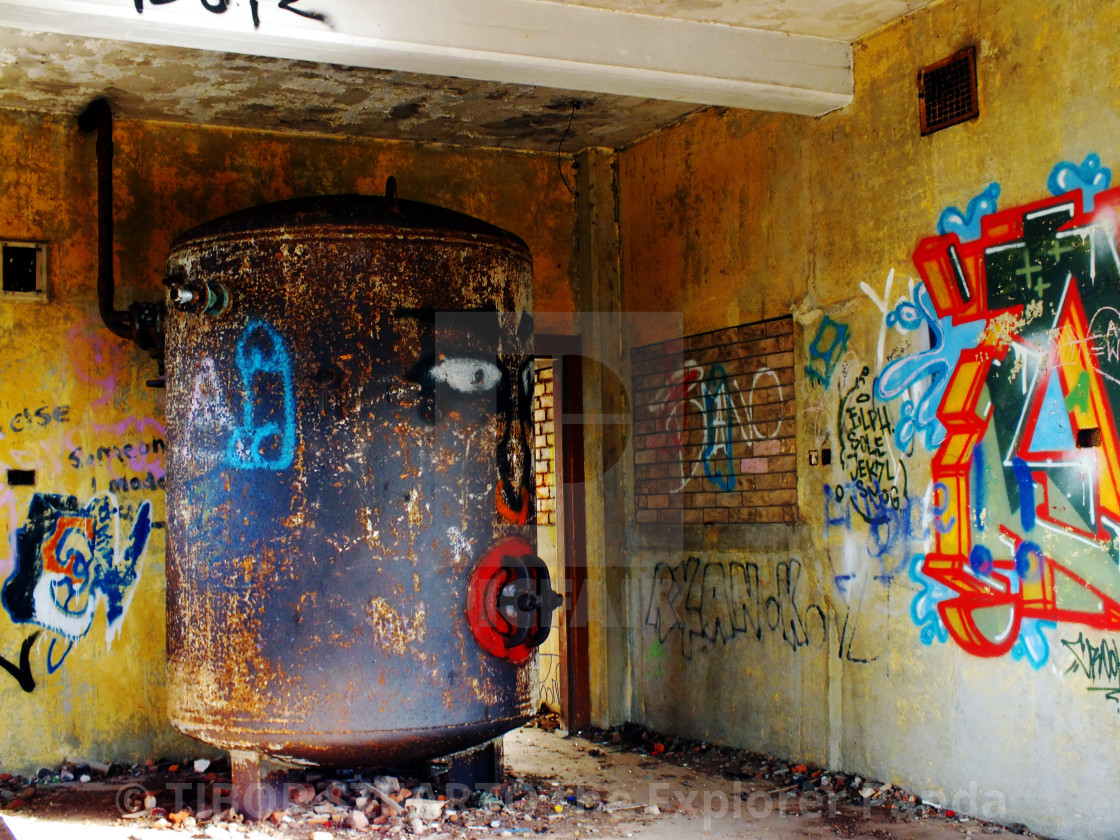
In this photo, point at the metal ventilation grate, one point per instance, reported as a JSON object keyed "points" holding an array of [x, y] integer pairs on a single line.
{"points": [[947, 91]]}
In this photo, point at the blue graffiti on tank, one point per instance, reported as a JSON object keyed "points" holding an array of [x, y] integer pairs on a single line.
{"points": [[266, 438]]}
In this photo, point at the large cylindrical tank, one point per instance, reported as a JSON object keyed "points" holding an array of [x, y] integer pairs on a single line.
{"points": [[351, 567]]}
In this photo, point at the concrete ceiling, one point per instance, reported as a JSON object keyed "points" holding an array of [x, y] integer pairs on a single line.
{"points": [[499, 73]]}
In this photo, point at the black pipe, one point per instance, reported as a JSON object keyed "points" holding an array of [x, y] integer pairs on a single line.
{"points": [[98, 116]]}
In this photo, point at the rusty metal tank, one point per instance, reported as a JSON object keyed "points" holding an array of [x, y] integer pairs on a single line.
{"points": [[351, 573]]}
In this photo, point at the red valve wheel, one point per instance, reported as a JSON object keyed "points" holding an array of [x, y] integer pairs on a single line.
{"points": [[510, 600]]}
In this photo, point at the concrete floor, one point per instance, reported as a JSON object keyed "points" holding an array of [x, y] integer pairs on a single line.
{"points": [[641, 796]]}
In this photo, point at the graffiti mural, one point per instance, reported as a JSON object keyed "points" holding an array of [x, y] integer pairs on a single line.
{"points": [[1015, 397], [69, 560]]}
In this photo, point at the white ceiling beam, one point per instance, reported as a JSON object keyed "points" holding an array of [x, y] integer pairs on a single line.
{"points": [[532, 42]]}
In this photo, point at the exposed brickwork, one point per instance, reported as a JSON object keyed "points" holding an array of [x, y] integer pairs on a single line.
{"points": [[715, 431], [545, 447]]}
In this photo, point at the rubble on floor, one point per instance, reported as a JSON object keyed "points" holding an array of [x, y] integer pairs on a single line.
{"points": [[786, 777], [194, 797]]}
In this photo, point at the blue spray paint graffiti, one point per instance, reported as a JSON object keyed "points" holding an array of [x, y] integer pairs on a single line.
{"points": [[1032, 645], [68, 561], [266, 439], [719, 430], [923, 609], [967, 225], [937, 363], [1090, 177], [828, 346]]}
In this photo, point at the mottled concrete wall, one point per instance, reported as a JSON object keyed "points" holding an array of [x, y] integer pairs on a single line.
{"points": [[85, 656], [960, 546]]}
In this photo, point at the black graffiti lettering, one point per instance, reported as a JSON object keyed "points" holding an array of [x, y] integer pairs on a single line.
{"points": [[290, 6], [1099, 663], [123, 454], [23, 674], [744, 593], [136, 483], [713, 608], [44, 415], [716, 602], [218, 7]]}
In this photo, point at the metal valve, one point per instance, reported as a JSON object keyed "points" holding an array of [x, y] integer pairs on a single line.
{"points": [[510, 600], [209, 298]]}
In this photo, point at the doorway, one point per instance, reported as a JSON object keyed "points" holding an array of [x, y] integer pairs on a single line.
{"points": [[561, 521]]}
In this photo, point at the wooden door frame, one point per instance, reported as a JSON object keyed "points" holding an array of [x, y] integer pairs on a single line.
{"points": [[575, 666]]}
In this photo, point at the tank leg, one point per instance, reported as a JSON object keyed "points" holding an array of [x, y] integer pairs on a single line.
{"points": [[478, 767], [250, 796]]}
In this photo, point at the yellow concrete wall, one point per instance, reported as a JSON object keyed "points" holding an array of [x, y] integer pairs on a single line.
{"points": [[103, 697], [734, 217]]}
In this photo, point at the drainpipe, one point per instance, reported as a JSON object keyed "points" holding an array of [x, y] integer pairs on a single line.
{"points": [[141, 323]]}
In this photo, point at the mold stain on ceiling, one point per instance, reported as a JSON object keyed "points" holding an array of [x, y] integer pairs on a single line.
{"points": [[60, 74]]}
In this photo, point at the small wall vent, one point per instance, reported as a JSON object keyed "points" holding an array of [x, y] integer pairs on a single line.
{"points": [[947, 90], [23, 271]]}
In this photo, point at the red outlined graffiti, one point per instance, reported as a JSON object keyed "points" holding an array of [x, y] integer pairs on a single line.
{"points": [[1038, 388]]}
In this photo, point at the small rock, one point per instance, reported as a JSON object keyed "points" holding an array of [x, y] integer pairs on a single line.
{"points": [[387, 784], [85, 777], [652, 810], [321, 835], [425, 809], [866, 791], [417, 825], [201, 765], [204, 815], [149, 802], [358, 820]]}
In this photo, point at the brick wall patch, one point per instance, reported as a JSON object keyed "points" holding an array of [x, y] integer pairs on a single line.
{"points": [[715, 431], [544, 432]]}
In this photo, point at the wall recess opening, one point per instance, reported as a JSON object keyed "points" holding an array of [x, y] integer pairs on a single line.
{"points": [[947, 92], [1088, 438], [21, 478], [23, 271]]}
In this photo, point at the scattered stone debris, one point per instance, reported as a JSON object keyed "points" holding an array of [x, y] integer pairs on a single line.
{"points": [[194, 796], [847, 791]]}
